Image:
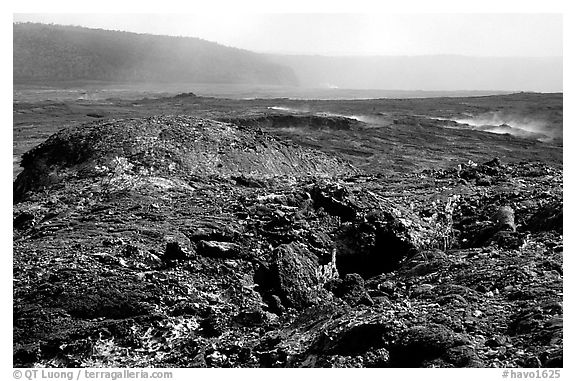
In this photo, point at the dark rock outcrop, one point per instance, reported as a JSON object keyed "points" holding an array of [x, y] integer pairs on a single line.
{"points": [[165, 151]]}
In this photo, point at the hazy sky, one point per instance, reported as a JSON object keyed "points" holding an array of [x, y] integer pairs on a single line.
{"points": [[536, 35]]}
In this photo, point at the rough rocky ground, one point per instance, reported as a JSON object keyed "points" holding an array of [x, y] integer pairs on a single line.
{"points": [[186, 242], [387, 135]]}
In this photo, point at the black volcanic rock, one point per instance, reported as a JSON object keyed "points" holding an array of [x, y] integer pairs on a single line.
{"points": [[548, 217], [351, 289], [311, 121], [504, 218], [165, 151], [294, 270], [219, 249], [174, 251], [421, 343], [377, 241], [180, 242]]}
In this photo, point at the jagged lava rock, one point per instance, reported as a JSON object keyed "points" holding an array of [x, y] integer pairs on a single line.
{"points": [[166, 147], [176, 241], [294, 271]]}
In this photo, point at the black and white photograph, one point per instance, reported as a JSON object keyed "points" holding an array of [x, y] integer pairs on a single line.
{"points": [[254, 189]]}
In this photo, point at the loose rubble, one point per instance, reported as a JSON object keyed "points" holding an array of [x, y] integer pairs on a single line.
{"points": [[182, 242]]}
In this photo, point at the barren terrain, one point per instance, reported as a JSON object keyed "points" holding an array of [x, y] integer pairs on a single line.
{"points": [[197, 231]]}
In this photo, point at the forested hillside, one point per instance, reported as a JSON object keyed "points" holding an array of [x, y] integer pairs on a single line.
{"points": [[54, 52]]}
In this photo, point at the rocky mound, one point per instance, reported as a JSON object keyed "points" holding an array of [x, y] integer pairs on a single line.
{"points": [[134, 247], [167, 148]]}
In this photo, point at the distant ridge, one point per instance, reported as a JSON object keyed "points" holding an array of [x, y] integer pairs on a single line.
{"points": [[61, 53]]}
